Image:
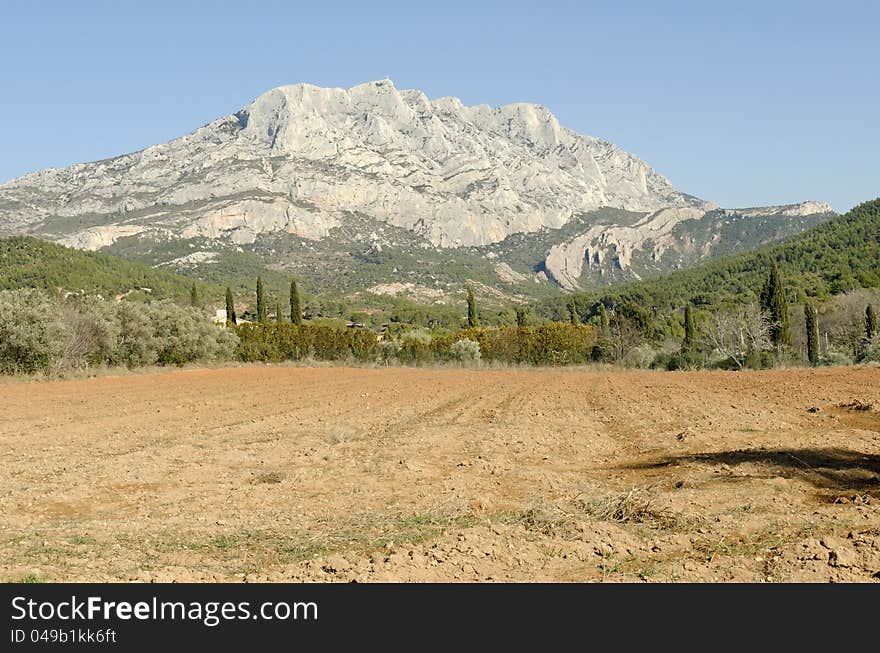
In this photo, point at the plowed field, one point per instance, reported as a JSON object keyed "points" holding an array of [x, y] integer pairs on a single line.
{"points": [[334, 474]]}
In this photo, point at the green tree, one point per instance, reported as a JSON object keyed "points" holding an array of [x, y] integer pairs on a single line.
{"points": [[870, 323], [773, 303], [690, 329], [640, 317], [230, 308], [32, 331], [261, 301], [473, 320], [604, 321], [278, 316], [194, 299], [572, 313], [521, 316], [295, 305], [811, 315]]}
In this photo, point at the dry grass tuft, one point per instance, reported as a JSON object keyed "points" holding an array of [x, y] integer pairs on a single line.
{"points": [[638, 506], [542, 519], [269, 477]]}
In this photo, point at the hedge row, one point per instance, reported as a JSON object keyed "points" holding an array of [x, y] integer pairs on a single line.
{"points": [[273, 342], [550, 344]]}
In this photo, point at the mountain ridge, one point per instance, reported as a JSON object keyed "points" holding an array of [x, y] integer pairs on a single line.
{"points": [[306, 163], [473, 161]]}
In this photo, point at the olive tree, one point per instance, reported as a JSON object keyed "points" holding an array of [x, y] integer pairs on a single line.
{"points": [[32, 331]]}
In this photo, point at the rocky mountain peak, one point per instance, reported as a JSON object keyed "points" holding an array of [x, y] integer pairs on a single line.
{"points": [[290, 118], [300, 156], [305, 161]]}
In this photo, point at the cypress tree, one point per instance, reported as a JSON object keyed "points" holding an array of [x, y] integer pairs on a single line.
{"points": [[520, 316], [811, 316], [230, 308], [278, 316], [690, 330], [773, 302], [604, 322], [572, 313], [870, 322], [261, 301], [473, 321], [295, 306], [194, 299]]}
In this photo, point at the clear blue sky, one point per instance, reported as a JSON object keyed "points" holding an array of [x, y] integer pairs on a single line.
{"points": [[744, 104]]}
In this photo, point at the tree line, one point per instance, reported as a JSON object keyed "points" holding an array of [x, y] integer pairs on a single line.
{"points": [[41, 333], [752, 334], [765, 310]]}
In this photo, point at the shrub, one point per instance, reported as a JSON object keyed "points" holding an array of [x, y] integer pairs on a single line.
{"points": [[93, 334], [603, 351], [871, 351], [326, 342], [415, 347], [32, 332], [686, 359], [184, 335], [465, 350], [253, 345], [551, 344], [834, 358], [753, 359], [362, 344], [760, 359], [136, 342], [388, 350], [640, 357], [180, 337], [227, 344]]}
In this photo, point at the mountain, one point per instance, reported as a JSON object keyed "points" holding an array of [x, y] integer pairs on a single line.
{"points": [[611, 246], [837, 256], [371, 186]]}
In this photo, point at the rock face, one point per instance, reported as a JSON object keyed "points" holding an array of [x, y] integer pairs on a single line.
{"points": [[566, 261], [298, 156], [659, 234], [303, 162]]}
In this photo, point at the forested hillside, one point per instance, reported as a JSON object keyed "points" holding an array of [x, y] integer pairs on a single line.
{"points": [[831, 258], [27, 262]]}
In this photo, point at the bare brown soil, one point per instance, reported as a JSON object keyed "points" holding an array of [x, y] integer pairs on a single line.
{"points": [[331, 474]]}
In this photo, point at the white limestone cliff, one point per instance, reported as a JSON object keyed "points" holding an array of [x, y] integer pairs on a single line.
{"points": [[300, 156], [567, 261]]}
